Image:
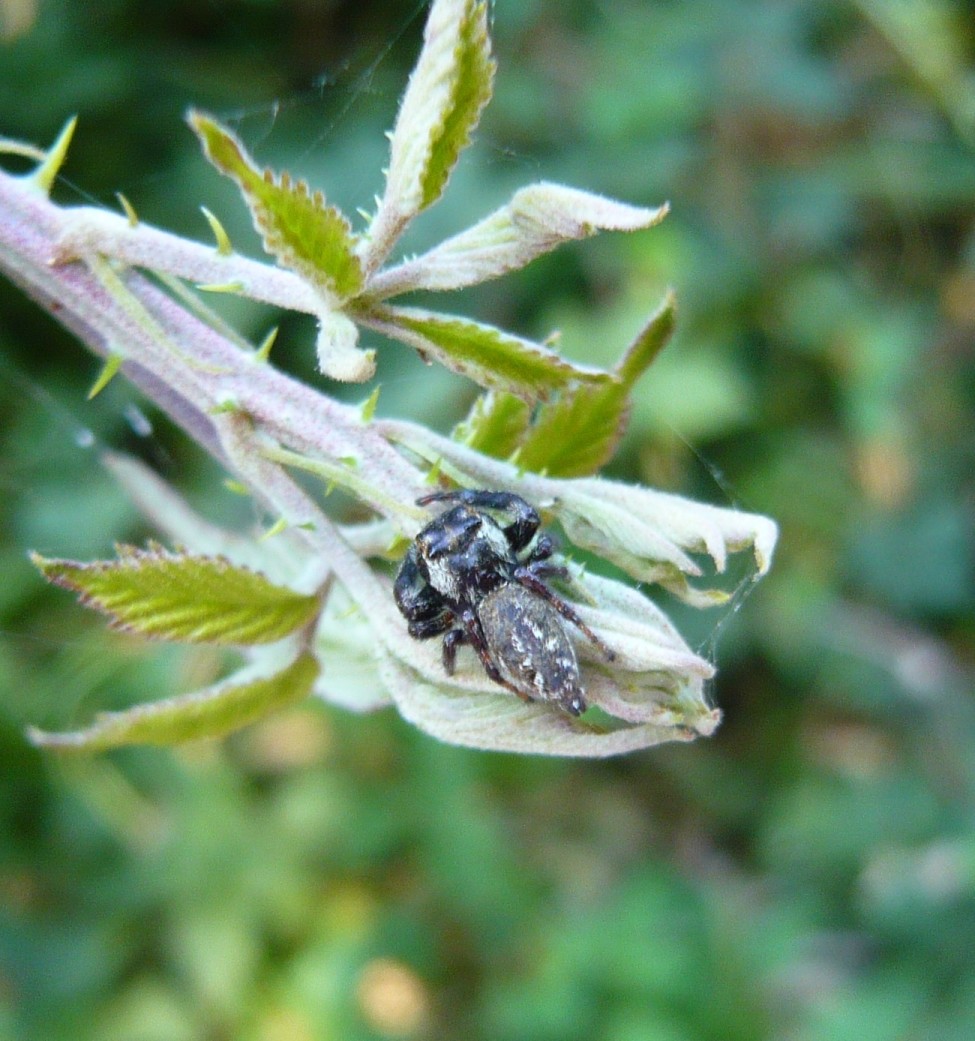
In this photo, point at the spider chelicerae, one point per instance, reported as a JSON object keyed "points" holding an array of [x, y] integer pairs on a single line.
{"points": [[470, 576]]}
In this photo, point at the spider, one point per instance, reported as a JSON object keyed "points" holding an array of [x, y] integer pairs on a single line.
{"points": [[463, 577]]}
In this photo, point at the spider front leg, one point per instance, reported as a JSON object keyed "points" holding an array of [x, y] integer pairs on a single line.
{"points": [[425, 610], [524, 518]]}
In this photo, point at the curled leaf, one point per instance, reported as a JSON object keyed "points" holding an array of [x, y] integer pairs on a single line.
{"points": [[650, 534], [652, 691], [537, 220], [502, 723], [338, 355]]}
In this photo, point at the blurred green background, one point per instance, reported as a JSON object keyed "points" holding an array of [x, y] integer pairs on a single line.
{"points": [[809, 873]]}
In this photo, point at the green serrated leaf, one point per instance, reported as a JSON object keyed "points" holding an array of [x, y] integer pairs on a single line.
{"points": [[311, 238], [470, 91], [577, 432], [448, 88], [496, 360], [171, 596], [649, 342], [496, 425], [212, 712]]}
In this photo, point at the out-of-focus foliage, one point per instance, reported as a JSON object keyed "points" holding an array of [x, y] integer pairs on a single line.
{"points": [[810, 871]]}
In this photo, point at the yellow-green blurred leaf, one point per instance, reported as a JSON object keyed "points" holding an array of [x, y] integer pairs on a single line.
{"points": [[171, 596], [212, 712]]}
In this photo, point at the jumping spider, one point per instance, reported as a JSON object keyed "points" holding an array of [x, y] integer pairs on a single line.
{"points": [[463, 577]]}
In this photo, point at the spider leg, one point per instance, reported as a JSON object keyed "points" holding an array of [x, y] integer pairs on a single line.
{"points": [[426, 611], [544, 547], [427, 628], [454, 639], [524, 518], [528, 577], [538, 560]]}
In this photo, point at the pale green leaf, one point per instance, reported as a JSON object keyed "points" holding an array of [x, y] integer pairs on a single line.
{"points": [[651, 535], [297, 227], [192, 599], [500, 722], [346, 641], [538, 219], [492, 358], [212, 712]]}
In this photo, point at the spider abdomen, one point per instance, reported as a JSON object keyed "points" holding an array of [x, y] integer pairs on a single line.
{"points": [[527, 640]]}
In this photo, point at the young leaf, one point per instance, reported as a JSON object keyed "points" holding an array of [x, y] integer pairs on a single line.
{"points": [[212, 712], [171, 596], [492, 358], [650, 534], [576, 433], [449, 87], [338, 355], [496, 425], [297, 227], [538, 219]]}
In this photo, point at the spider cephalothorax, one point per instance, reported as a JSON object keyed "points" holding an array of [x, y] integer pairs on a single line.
{"points": [[473, 579]]}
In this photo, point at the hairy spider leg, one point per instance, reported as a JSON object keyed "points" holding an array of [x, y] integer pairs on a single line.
{"points": [[526, 575], [536, 561], [542, 550], [427, 628], [454, 639], [525, 520]]}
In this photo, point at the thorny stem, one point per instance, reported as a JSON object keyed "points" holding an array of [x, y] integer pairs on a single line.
{"points": [[188, 368], [86, 230]]}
